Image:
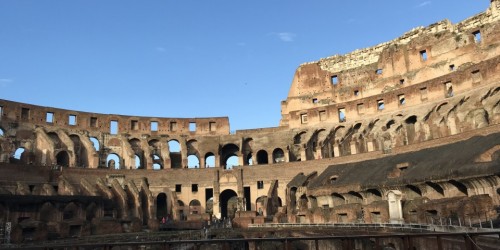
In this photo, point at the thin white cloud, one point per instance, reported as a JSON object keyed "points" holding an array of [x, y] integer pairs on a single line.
{"points": [[284, 36], [161, 49], [5, 81], [422, 4]]}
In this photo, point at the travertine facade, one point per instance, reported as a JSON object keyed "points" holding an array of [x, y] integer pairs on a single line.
{"points": [[416, 119]]}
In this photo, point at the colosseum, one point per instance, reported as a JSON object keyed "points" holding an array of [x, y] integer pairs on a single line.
{"points": [[406, 131]]}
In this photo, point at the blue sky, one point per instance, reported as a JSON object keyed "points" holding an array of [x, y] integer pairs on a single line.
{"points": [[189, 58]]}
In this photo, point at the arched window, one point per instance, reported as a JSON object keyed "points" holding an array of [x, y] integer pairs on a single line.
{"points": [[175, 154], [229, 156], [138, 164], [262, 157], [96, 143], [157, 162], [278, 155], [209, 160], [113, 161], [19, 152], [193, 161], [174, 146], [231, 162], [62, 159]]}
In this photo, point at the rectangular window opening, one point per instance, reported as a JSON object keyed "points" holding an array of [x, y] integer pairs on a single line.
{"points": [[361, 108], [322, 115], [476, 76], [72, 120], [448, 89], [401, 99], [211, 126], [477, 36], [342, 117], [192, 126], [173, 126], [113, 127], [93, 122], [25, 113], [423, 55], [260, 184], [423, 94], [154, 126], [335, 79], [380, 104], [379, 71], [303, 118], [194, 188], [134, 125], [315, 100], [178, 188], [356, 92], [49, 117], [452, 67], [401, 81]]}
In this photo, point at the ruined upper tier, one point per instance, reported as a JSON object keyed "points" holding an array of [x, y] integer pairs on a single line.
{"points": [[395, 74]]}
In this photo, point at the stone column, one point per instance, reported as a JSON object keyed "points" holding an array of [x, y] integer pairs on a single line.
{"points": [[336, 151]]}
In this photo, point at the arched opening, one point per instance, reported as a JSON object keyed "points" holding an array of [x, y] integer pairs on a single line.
{"points": [[354, 197], [80, 152], [193, 156], [175, 154], [62, 159], [299, 138], [1, 132], [91, 212], [137, 161], [436, 187], [259, 205], [460, 186], [262, 157], [96, 143], [303, 202], [229, 156], [113, 161], [337, 199], [374, 194], [209, 160], [194, 207], [209, 208], [70, 211], [227, 203], [389, 124], [413, 192], [193, 161], [231, 162], [278, 155], [18, 153], [161, 206], [55, 139], [157, 162], [48, 213], [312, 201]]}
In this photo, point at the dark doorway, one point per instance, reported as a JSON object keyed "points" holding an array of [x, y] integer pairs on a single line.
{"points": [[63, 159], [225, 196], [161, 206]]}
